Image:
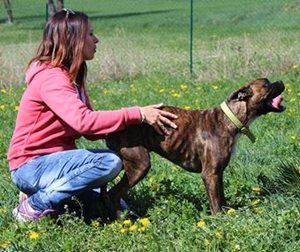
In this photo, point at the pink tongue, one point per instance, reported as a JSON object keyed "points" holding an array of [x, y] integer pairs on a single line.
{"points": [[276, 101]]}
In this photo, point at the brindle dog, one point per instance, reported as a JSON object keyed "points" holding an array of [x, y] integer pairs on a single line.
{"points": [[202, 143]]}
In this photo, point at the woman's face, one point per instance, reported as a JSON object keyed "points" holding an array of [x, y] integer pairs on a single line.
{"points": [[89, 48]]}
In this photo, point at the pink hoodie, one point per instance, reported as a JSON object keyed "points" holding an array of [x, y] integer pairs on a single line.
{"points": [[51, 116]]}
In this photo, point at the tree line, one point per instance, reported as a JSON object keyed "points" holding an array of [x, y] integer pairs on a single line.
{"points": [[52, 8]]}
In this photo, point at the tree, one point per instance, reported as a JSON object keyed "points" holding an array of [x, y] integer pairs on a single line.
{"points": [[51, 8], [7, 5], [60, 4]]}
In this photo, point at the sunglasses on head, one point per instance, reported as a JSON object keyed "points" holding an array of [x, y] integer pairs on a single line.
{"points": [[68, 12]]}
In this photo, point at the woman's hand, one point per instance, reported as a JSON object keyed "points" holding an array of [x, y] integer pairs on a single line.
{"points": [[158, 118]]}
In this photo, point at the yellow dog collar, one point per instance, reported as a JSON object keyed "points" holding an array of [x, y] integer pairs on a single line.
{"points": [[244, 129]]}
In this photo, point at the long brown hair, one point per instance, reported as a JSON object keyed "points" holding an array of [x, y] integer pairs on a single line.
{"points": [[63, 42]]}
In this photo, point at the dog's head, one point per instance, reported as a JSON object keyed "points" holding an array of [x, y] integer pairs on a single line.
{"points": [[261, 96]]}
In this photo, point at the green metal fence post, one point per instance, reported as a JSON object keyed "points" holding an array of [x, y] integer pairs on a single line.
{"points": [[191, 37], [47, 13]]}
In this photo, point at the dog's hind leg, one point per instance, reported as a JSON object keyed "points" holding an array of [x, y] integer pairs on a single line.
{"points": [[136, 162]]}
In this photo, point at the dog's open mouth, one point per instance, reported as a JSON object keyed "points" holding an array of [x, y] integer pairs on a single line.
{"points": [[275, 98], [276, 103]]}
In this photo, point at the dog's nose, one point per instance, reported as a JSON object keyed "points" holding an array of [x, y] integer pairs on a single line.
{"points": [[279, 83]]}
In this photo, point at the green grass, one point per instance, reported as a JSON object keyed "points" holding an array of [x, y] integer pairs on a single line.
{"points": [[175, 200], [236, 42]]}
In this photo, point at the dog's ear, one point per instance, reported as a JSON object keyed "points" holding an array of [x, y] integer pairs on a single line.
{"points": [[242, 94]]}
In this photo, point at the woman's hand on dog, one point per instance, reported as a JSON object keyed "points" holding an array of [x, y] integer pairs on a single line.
{"points": [[159, 119]]}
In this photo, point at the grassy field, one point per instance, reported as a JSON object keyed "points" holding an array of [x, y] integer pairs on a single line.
{"points": [[232, 40], [143, 59]]}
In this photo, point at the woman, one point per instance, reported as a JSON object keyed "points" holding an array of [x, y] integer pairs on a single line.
{"points": [[55, 111]]}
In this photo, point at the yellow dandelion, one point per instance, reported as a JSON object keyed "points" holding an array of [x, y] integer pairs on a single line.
{"points": [[174, 168], [94, 101], [33, 235], [291, 111], [3, 210], [105, 91], [187, 107], [206, 242], [91, 250], [144, 221], [293, 100], [115, 225], [176, 95], [154, 187], [3, 91], [162, 90], [219, 234], [142, 229], [183, 87], [123, 230], [231, 211], [294, 66], [16, 108], [127, 222], [237, 247], [4, 245], [134, 227], [201, 224], [292, 137], [215, 87], [95, 224], [2, 107], [298, 169], [257, 190]]}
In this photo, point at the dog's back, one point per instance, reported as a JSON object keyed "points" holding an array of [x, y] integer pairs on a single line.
{"points": [[184, 146]]}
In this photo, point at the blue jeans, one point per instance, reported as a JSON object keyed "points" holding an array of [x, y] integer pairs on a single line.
{"points": [[50, 179]]}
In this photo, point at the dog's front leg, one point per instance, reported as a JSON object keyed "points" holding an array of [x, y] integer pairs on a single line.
{"points": [[136, 162], [215, 190]]}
